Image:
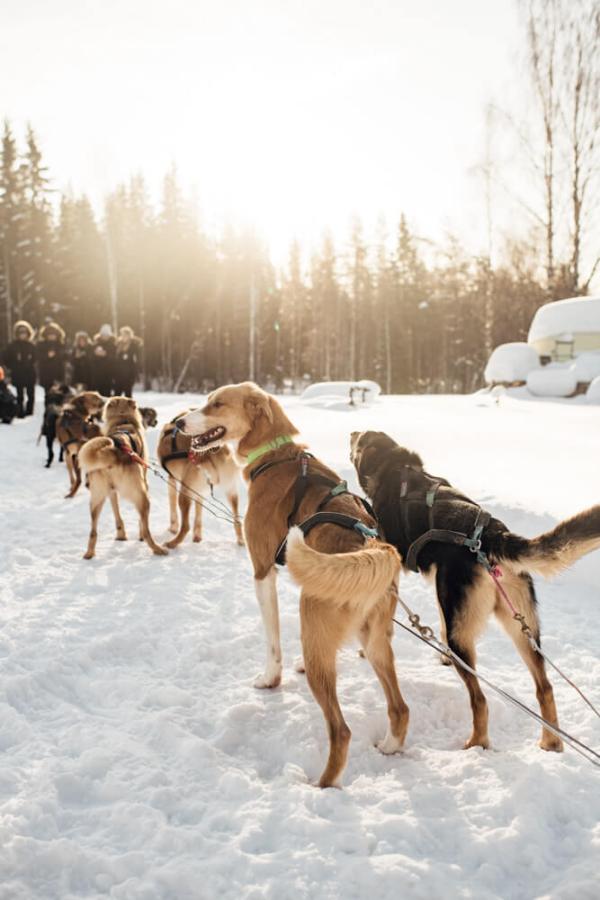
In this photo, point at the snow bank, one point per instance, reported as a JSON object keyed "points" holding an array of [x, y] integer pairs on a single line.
{"points": [[563, 317], [338, 394], [552, 381], [511, 362], [586, 366], [593, 392]]}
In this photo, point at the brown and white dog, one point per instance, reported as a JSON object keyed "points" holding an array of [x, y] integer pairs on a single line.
{"points": [[111, 471], [195, 472], [348, 587], [77, 424]]}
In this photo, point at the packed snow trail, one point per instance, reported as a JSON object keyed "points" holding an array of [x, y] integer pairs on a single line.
{"points": [[139, 762]]}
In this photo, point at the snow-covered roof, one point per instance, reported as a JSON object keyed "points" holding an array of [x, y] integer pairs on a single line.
{"points": [[563, 318]]}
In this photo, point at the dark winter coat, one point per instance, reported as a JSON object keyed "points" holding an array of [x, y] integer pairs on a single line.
{"points": [[19, 357], [81, 363], [127, 364], [103, 364], [51, 355], [8, 403]]}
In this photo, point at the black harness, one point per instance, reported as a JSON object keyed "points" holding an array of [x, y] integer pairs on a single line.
{"points": [[71, 437], [321, 517], [442, 535], [175, 453]]}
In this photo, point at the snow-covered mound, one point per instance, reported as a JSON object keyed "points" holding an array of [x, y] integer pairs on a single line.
{"points": [[579, 315], [552, 381], [341, 394], [510, 363], [593, 392], [139, 763], [586, 366]]}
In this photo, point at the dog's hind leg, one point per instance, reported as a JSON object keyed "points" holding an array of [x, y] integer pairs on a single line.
{"points": [[522, 595], [376, 641], [320, 638], [173, 523], [97, 498], [74, 474], [184, 508], [466, 605], [121, 534], [266, 594], [142, 504]]}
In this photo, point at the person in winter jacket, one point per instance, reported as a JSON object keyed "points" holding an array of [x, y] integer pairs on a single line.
{"points": [[81, 361], [8, 401], [50, 352], [19, 357], [127, 361], [103, 361]]}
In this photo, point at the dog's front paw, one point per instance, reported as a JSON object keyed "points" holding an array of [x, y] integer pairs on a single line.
{"points": [[174, 528], [268, 680], [88, 555], [161, 551]]}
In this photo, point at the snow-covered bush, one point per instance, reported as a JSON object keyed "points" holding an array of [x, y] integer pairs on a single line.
{"points": [[552, 381], [586, 366], [592, 394], [511, 362]]}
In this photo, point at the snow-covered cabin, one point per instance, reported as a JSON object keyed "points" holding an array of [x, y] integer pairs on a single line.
{"points": [[565, 328]]}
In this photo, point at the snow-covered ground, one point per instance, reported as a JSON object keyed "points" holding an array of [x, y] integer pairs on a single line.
{"points": [[138, 762]]}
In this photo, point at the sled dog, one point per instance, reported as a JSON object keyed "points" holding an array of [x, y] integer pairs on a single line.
{"points": [[348, 581], [77, 423], [192, 474], [112, 472], [409, 503]]}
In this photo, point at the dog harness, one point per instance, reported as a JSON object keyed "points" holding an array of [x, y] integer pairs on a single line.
{"points": [[321, 517], [181, 454], [72, 439], [121, 440], [442, 535]]}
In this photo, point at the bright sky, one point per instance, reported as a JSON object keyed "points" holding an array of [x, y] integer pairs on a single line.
{"points": [[292, 114]]}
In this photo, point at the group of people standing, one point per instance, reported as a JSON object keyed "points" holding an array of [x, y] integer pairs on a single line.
{"points": [[105, 363]]}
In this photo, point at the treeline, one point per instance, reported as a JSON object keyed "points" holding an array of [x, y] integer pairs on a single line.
{"points": [[387, 312]]}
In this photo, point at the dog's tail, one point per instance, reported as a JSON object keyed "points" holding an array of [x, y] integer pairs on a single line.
{"points": [[356, 579], [98, 453], [556, 550]]}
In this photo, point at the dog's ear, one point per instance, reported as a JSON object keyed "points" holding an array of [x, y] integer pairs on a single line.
{"points": [[257, 404]]}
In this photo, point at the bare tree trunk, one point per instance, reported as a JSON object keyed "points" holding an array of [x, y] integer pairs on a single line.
{"points": [[7, 285]]}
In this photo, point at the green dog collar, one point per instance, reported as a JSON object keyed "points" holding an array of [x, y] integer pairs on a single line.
{"points": [[275, 444]]}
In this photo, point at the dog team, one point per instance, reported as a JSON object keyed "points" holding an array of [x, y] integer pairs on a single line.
{"points": [[346, 552]]}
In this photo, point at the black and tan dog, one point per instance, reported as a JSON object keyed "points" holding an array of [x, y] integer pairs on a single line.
{"points": [[56, 397], [78, 422], [112, 471], [408, 503], [196, 473]]}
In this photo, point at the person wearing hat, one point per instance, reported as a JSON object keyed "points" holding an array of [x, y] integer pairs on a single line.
{"points": [[81, 361], [103, 361], [8, 401], [127, 361], [50, 352], [19, 357]]}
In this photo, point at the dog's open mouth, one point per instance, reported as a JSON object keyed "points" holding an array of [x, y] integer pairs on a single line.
{"points": [[201, 443]]}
